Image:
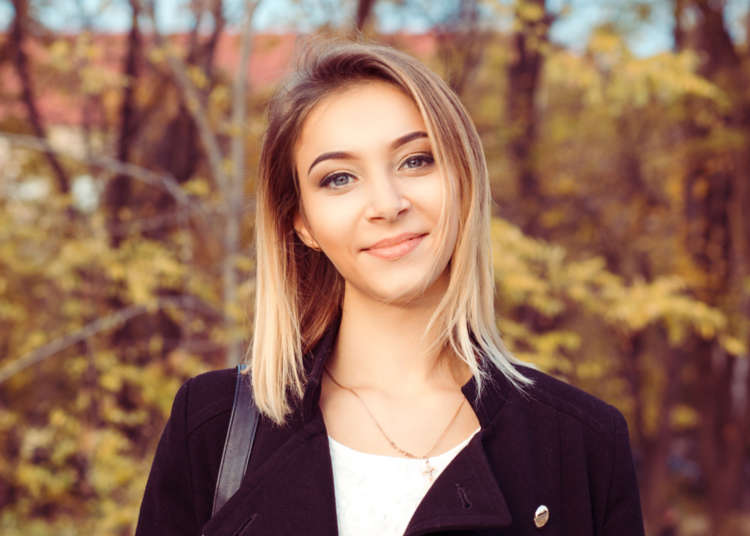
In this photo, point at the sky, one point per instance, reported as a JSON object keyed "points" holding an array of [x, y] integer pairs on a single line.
{"points": [[571, 30]]}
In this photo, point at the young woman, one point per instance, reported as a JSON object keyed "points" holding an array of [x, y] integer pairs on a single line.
{"points": [[388, 402]]}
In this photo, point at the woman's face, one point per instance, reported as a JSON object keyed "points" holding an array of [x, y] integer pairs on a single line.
{"points": [[371, 192]]}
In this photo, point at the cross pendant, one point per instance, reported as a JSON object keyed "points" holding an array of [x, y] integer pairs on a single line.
{"points": [[428, 469]]}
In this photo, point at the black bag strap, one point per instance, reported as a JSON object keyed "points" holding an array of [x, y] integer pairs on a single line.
{"points": [[238, 444]]}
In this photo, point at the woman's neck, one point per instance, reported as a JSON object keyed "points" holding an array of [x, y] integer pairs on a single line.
{"points": [[381, 346]]}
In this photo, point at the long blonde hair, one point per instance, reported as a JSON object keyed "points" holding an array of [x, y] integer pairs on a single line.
{"points": [[298, 290]]}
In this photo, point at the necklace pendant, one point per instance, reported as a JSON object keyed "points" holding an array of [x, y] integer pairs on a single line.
{"points": [[429, 470]]}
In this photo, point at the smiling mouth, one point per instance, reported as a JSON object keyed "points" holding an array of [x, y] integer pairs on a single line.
{"points": [[392, 251]]}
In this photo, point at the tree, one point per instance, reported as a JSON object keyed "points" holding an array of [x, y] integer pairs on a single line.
{"points": [[92, 405], [718, 238]]}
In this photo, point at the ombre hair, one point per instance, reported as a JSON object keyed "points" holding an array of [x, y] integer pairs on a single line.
{"points": [[299, 292]]}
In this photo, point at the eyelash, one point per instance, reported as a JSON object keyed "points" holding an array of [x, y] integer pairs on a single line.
{"points": [[328, 179], [426, 158]]}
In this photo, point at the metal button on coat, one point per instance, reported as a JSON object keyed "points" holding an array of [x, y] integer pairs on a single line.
{"points": [[541, 516]]}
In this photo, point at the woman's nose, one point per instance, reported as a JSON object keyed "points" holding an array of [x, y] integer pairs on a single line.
{"points": [[387, 201]]}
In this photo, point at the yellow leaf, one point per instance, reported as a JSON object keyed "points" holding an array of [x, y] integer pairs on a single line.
{"points": [[683, 416], [197, 186], [733, 345]]}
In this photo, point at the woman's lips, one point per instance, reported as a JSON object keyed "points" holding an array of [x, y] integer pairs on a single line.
{"points": [[396, 251]]}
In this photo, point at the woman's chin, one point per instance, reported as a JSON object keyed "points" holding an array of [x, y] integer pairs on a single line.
{"points": [[402, 297], [407, 292]]}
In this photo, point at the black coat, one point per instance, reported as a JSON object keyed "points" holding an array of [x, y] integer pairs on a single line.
{"points": [[561, 448]]}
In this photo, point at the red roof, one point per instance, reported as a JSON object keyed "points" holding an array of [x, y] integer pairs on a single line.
{"points": [[60, 96]]}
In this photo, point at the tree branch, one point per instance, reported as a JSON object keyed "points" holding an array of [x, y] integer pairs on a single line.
{"points": [[97, 326], [165, 182]]}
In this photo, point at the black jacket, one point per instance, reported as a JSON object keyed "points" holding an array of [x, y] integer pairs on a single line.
{"points": [[561, 448]]}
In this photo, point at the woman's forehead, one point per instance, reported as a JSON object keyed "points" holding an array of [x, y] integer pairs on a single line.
{"points": [[359, 115]]}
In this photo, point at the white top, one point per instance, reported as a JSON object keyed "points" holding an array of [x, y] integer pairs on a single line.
{"points": [[377, 495]]}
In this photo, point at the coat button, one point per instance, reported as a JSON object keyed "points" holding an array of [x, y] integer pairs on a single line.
{"points": [[541, 516]]}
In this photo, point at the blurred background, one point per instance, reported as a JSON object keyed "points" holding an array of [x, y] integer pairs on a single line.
{"points": [[618, 139]]}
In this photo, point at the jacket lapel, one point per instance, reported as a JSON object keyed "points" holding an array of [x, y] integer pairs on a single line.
{"points": [[465, 496], [288, 487], [512, 465], [291, 493]]}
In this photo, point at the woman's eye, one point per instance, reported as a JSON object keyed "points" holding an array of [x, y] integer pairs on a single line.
{"points": [[336, 180], [418, 161]]}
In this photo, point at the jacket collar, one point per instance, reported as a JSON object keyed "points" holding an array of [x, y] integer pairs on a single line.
{"points": [[314, 366]]}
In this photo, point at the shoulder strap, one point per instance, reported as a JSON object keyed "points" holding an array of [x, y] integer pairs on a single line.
{"points": [[238, 443]]}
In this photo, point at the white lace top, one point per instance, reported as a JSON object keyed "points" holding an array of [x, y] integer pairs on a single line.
{"points": [[377, 495]]}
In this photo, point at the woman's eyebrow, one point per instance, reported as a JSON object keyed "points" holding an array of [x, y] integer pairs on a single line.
{"points": [[334, 155], [406, 138], [342, 155]]}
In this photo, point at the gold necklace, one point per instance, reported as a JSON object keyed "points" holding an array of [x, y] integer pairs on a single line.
{"points": [[429, 470]]}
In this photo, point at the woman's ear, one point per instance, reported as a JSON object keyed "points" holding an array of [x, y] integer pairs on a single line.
{"points": [[303, 231]]}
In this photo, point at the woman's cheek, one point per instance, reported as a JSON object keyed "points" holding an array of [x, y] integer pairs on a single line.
{"points": [[334, 226]]}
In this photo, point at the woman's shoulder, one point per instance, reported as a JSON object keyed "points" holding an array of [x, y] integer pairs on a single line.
{"points": [[206, 397], [560, 429], [570, 402]]}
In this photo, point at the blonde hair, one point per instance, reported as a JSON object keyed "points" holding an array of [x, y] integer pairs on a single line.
{"points": [[298, 290]]}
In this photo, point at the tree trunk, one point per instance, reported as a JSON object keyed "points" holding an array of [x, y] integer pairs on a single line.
{"points": [[117, 194], [233, 197], [717, 194], [523, 81], [461, 46], [21, 62], [656, 448], [364, 10]]}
